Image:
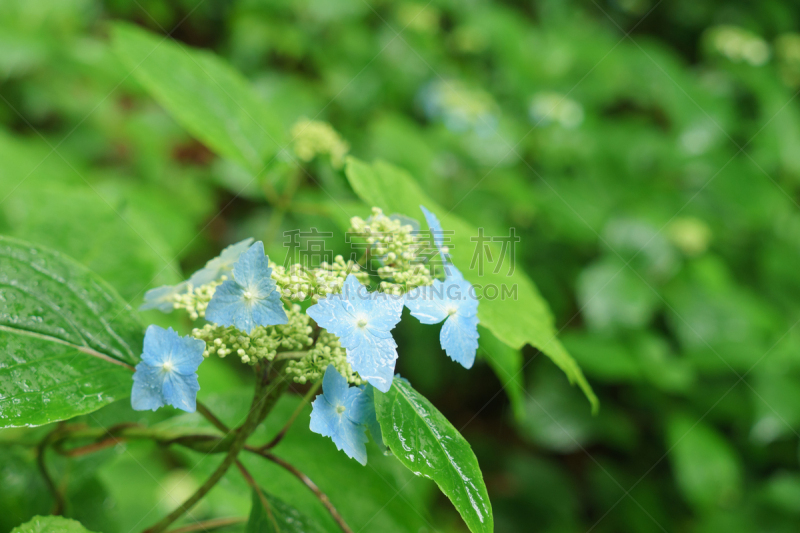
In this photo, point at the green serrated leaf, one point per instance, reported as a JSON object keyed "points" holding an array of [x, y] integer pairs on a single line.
{"points": [[287, 518], [68, 342], [209, 98], [516, 320], [50, 524], [428, 445]]}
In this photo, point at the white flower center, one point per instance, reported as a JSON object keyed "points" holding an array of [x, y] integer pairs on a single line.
{"points": [[340, 409], [167, 366], [248, 295], [361, 322], [451, 310]]}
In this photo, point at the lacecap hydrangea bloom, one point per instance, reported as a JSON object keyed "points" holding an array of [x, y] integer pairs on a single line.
{"points": [[452, 300], [249, 299], [363, 322], [167, 373], [344, 414]]}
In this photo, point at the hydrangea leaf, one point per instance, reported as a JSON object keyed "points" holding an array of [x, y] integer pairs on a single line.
{"points": [[286, 517], [214, 102], [520, 319], [68, 342], [50, 524], [428, 445]]}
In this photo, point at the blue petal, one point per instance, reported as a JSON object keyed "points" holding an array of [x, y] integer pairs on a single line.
{"points": [[147, 386], [372, 357], [269, 311], [459, 339], [158, 344], [362, 411], [161, 297], [427, 303], [334, 386], [181, 391], [252, 267], [220, 265]]}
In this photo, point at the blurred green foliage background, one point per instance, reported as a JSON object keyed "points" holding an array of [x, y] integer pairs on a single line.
{"points": [[647, 153]]}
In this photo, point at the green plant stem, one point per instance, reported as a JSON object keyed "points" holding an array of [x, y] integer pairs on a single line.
{"points": [[211, 417], [210, 524], [253, 485], [307, 398], [41, 449], [264, 399], [321, 496]]}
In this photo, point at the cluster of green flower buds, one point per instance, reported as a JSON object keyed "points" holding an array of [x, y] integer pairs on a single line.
{"points": [[311, 138], [326, 351], [398, 248], [195, 300], [262, 343], [298, 283]]}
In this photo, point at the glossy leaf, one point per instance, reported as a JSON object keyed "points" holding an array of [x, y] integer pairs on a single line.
{"points": [[520, 319], [68, 342], [50, 524], [214, 102], [280, 514], [428, 445]]}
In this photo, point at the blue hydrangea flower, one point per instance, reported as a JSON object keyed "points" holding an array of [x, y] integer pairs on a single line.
{"points": [[161, 297], [454, 301], [363, 322], [339, 413], [220, 265], [249, 299], [167, 373]]}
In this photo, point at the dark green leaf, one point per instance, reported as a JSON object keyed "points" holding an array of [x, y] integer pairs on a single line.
{"points": [[506, 362], [428, 445], [50, 524], [519, 319], [287, 518], [214, 102], [68, 342]]}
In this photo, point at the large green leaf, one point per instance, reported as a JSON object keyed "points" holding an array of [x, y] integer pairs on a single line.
{"points": [[507, 365], [68, 342], [518, 320], [287, 518], [50, 524], [428, 445], [214, 102]]}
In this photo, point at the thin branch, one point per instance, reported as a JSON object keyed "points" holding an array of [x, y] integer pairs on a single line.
{"points": [[277, 439], [321, 496], [264, 399], [210, 524], [211, 417], [264, 502]]}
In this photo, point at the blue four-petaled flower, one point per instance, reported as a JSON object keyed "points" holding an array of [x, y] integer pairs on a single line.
{"points": [[363, 322], [452, 300], [161, 298], [343, 413], [250, 299], [167, 373]]}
